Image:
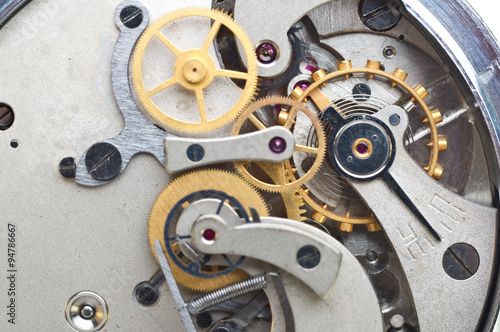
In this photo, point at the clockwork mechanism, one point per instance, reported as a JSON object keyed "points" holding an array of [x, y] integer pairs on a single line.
{"points": [[230, 166]]}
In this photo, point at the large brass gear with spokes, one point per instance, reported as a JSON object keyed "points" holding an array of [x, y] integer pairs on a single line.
{"points": [[194, 70], [196, 181], [372, 69], [250, 120]]}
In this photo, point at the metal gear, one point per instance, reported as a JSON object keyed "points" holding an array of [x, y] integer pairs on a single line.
{"points": [[286, 118], [209, 179], [314, 93], [292, 199], [397, 78], [194, 70]]}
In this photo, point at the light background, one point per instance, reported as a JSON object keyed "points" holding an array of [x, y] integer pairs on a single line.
{"points": [[489, 11]]}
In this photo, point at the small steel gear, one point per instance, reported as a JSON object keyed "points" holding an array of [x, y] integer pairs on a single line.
{"points": [[196, 181], [372, 68], [195, 70], [255, 118]]}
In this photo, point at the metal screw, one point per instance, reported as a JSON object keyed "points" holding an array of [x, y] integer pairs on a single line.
{"points": [[308, 257], [87, 312], [131, 17], [361, 92], [14, 143], [378, 15], [350, 159], [204, 320], [146, 293], [371, 256], [195, 152], [394, 119], [103, 161], [461, 261], [67, 167], [6, 116]]}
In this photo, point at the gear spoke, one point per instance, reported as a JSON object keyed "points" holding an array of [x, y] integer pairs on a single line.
{"points": [[256, 122], [291, 118], [168, 83], [168, 43], [306, 149], [200, 99], [238, 75], [283, 179], [211, 35], [194, 70], [282, 174]]}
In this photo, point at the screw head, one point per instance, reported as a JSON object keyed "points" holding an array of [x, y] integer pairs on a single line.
{"points": [[371, 256], [103, 161], [146, 294], [362, 92], [308, 257], [394, 119], [461, 261], [204, 320], [67, 167], [6, 116], [378, 15], [131, 17], [195, 152]]}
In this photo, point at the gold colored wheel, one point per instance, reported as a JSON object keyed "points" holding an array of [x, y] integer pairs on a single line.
{"points": [[195, 71], [198, 181], [397, 78], [257, 117], [314, 92]]}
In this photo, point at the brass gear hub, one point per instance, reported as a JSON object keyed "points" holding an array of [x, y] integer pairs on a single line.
{"points": [[196, 181], [194, 70]]}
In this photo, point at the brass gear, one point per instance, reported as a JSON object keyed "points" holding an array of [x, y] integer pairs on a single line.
{"points": [[346, 222], [195, 70], [287, 119], [209, 179], [292, 199], [398, 78]]}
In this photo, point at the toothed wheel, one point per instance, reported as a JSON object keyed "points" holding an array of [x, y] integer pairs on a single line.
{"points": [[292, 199], [169, 207], [281, 111], [193, 71], [332, 203]]}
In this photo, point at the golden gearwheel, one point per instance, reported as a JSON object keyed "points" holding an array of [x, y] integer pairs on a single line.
{"points": [[418, 95], [194, 70], [292, 199], [211, 179], [252, 119], [372, 68]]}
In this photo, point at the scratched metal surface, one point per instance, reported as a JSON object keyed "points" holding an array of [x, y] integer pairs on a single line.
{"points": [[72, 238]]}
